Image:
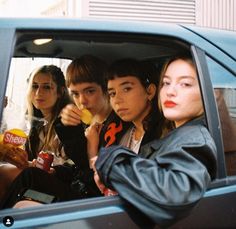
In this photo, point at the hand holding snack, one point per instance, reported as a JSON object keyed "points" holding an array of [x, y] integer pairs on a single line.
{"points": [[71, 115], [13, 155]]}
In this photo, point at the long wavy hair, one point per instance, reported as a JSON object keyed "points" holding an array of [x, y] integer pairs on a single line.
{"points": [[34, 114]]}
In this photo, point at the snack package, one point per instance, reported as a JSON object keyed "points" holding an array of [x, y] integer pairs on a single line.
{"points": [[15, 137], [86, 116]]}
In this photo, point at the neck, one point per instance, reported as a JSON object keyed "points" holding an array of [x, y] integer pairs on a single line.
{"points": [[103, 114], [46, 114], [139, 131]]}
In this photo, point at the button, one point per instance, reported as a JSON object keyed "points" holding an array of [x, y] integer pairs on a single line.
{"points": [[8, 221]]}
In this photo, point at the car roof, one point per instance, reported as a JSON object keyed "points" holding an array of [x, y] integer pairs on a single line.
{"points": [[124, 38]]}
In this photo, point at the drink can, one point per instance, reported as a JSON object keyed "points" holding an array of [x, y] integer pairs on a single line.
{"points": [[44, 160]]}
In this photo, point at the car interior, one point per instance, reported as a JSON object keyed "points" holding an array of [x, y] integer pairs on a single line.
{"points": [[62, 47]]}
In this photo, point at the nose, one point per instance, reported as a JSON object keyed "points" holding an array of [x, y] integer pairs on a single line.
{"points": [[171, 90], [82, 100], [117, 98], [39, 91]]}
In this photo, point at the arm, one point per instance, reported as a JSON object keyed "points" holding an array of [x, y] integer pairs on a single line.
{"points": [[164, 182]]}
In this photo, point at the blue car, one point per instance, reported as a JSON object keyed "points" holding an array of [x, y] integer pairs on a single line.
{"points": [[62, 40]]}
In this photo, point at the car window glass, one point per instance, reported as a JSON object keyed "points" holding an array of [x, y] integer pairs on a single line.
{"points": [[224, 84], [14, 113]]}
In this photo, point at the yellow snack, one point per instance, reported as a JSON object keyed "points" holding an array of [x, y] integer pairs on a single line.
{"points": [[86, 116], [15, 137], [1, 138]]}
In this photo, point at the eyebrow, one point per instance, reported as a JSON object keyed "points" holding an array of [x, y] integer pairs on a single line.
{"points": [[181, 77], [85, 89], [122, 84]]}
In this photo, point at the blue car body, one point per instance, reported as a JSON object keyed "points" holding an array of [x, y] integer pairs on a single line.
{"points": [[215, 55]]}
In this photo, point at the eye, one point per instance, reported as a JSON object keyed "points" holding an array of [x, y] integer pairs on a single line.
{"points": [[35, 86], [111, 94], [47, 87], [90, 91], [185, 84], [127, 88], [165, 83], [74, 94]]}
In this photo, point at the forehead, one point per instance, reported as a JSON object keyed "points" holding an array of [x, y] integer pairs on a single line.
{"points": [[180, 68], [43, 78], [119, 81], [83, 86]]}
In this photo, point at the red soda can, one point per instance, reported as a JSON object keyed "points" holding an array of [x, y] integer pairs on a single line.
{"points": [[44, 160]]}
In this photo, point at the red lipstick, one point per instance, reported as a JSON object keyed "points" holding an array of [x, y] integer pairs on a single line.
{"points": [[169, 104]]}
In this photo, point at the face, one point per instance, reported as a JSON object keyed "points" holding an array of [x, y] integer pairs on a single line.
{"points": [[180, 95], [44, 92], [88, 95], [129, 99]]}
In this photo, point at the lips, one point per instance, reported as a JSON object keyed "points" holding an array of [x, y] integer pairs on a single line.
{"points": [[122, 111], [39, 100], [169, 104]]}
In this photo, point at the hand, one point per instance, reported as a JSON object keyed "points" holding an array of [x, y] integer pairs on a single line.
{"points": [[92, 132], [51, 170], [14, 155], [92, 135], [98, 182], [32, 163], [70, 115]]}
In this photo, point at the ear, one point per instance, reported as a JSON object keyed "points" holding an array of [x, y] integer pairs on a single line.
{"points": [[151, 91], [62, 92]]}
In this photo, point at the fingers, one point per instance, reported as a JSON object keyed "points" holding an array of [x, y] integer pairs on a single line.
{"points": [[71, 115], [94, 128], [98, 182]]}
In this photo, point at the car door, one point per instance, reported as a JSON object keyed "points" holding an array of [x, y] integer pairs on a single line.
{"points": [[216, 209]]}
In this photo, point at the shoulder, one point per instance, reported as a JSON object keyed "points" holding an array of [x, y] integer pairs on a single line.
{"points": [[195, 132]]}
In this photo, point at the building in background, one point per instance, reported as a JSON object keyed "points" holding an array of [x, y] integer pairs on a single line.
{"points": [[208, 13]]}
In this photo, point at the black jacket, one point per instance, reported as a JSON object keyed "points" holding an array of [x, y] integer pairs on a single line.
{"points": [[75, 147], [168, 177]]}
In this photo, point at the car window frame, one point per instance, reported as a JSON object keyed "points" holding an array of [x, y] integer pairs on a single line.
{"points": [[210, 106], [7, 45]]}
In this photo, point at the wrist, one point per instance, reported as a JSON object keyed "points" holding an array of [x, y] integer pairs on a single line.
{"points": [[92, 162]]}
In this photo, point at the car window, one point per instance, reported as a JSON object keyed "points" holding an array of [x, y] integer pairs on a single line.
{"points": [[224, 83]]}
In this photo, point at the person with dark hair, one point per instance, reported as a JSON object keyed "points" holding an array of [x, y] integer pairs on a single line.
{"points": [[87, 93], [85, 79], [168, 176], [47, 95], [132, 90]]}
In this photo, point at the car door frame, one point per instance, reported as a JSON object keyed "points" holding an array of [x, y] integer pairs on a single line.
{"points": [[7, 45], [61, 214]]}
